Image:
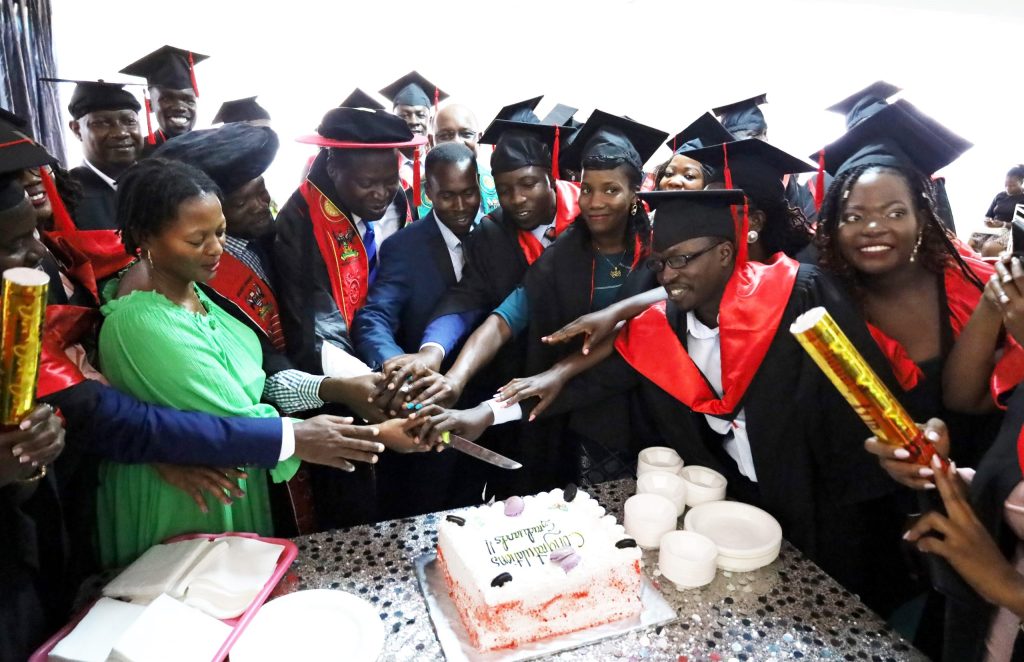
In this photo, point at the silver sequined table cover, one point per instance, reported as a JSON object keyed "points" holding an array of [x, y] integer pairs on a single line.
{"points": [[789, 610]]}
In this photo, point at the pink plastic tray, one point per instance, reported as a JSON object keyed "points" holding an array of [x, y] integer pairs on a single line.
{"points": [[238, 624]]}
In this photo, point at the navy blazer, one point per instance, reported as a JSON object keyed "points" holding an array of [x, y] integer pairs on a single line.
{"points": [[104, 421], [414, 272]]}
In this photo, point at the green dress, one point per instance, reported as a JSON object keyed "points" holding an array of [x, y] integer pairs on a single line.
{"points": [[164, 354]]}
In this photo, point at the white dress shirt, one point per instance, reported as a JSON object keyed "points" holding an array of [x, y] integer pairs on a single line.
{"points": [[704, 347], [454, 245], [102, 175]]}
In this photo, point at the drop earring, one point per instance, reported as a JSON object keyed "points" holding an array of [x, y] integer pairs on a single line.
{"points": [[917, 246], [632, 210]]}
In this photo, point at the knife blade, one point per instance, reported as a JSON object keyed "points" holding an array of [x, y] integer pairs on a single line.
{"points": [[479, 452]]}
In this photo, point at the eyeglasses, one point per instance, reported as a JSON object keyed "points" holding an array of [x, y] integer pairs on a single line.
{"points": [[678, 261]]}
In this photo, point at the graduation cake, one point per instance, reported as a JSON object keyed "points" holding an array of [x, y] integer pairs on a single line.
{"points": [[528, 568]]}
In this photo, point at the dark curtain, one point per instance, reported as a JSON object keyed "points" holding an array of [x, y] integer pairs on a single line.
{"points": [[26, 54]]}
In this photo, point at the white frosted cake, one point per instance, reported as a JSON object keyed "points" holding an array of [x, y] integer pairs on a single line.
{"points": [[528, 568]]}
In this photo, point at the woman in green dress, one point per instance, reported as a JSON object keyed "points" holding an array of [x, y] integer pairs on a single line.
{"points": [[167, 343]]}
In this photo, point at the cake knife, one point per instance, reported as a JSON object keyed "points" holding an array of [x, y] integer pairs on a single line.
{"points": [[479, 452]]}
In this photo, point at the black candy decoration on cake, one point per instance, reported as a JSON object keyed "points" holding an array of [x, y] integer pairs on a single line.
{"points": [[625, 542], [455, 519], [501, 579], [569, 492]]}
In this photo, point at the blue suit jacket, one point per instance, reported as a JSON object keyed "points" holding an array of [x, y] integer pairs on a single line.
{"points": [[104, 421], [414, 272]]}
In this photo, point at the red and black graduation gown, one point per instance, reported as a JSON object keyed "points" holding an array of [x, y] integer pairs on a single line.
{"points": [[832, 499], [920, 384], [322, 268]]}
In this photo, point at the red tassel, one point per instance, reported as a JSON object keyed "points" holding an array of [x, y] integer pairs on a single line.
{"points": [[819, 186], [673, 144], [437, 96], [192, 73], [739, 226], [150, 138], [725, 160], [417, 198], [61, 219], [554, 156]]}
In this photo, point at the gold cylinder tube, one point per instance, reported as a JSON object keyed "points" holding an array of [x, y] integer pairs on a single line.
{"points": [[21, 340], [832, 350]]}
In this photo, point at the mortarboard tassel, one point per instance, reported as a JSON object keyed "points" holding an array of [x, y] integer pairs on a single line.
{"points": [[740, 226], [61, 219], [437, 98], [673, 144], [554, 156], [192, 73], [417, 198], [819, 182], [150, 138]]}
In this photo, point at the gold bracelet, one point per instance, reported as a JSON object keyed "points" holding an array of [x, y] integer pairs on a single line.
{"points": [[37, 476]]}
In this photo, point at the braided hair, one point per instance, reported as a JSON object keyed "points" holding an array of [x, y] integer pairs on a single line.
{"points": [[639, 222], [150, 193], [936, 252]]}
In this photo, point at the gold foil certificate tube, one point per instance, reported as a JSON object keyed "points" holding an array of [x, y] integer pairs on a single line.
{"points": [[21, 339], [819, 334]]}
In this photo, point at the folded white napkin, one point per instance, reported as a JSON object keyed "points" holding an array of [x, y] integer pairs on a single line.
{"points": [[159, 570], [227, 579], [94, 636], [168, 631]]}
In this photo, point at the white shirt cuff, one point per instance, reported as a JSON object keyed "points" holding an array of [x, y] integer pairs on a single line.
{"points": [[434, 344], [339, 363], [504, 413], [287, 439]]}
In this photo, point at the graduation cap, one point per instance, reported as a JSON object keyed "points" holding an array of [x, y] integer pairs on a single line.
{"points": [[169, 67], [612, 138], [240, 110], [93, 95], [17, 153], [413, 89], [232, 155], [360, 99], [754, 166], [521, 111], [685, 215], [862, 104], [898, 135], [361, 128], [703, 131], [522, 144], [743, 116], [562, 115]]}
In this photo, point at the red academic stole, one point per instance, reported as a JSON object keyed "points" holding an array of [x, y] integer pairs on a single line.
{"points": [[342, 250], [567, 208], [243, 287], [755, 299], [962, 298], [64, 326]]}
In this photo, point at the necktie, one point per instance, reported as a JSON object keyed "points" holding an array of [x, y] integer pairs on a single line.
{"points": [[370, 245]]}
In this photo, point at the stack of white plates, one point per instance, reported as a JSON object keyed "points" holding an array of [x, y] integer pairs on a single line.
{"points": [[748, 538]]}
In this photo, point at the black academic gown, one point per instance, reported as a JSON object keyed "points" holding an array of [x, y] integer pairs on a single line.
{"points": [[97, 205], [830, 496], [567, 448]]}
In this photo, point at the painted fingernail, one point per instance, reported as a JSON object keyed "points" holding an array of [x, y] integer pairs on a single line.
{"points": [[901, 454], [373, 460], [408, 405], [376, 431], [350, 468], [932, 435], [419, 406], [929, 486], [380, 448], [925, 472], [17, 450], [952, 468], [24, 425], [906, 534], [936, 462], [24, 459], [1004, 299]]}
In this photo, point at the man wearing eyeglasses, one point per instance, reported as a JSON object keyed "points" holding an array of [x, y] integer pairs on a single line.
{"points": [[457, 123], [718, 377]]}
